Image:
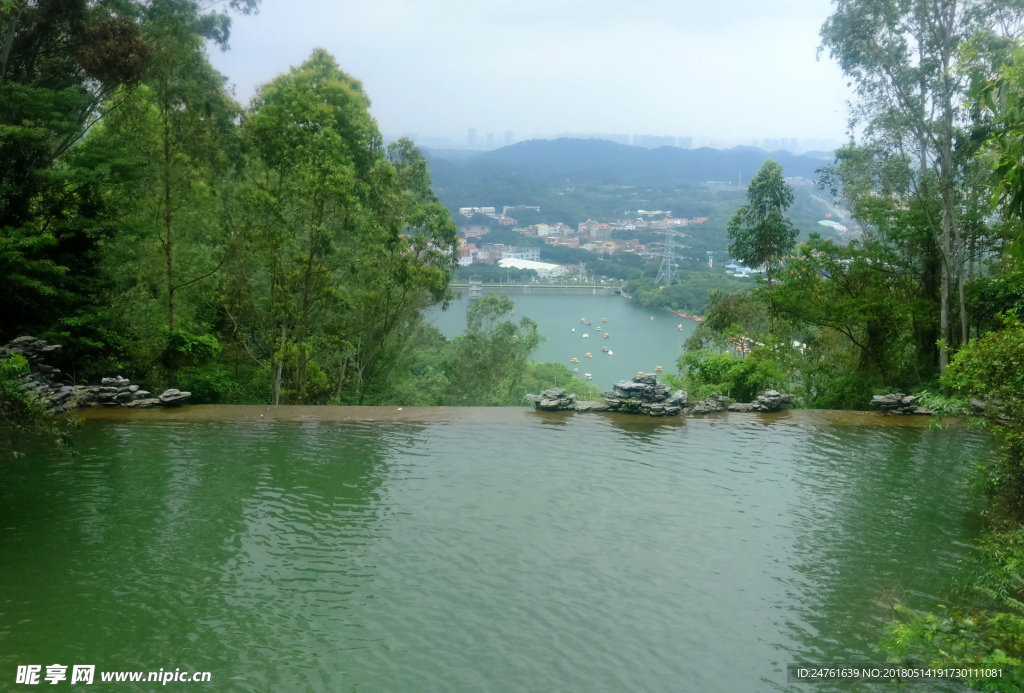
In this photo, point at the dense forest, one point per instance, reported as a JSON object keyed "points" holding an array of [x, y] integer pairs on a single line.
{"points": [[277, 252]]}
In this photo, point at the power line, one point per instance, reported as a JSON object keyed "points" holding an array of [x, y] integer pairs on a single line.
{"points": [[667, 271]]}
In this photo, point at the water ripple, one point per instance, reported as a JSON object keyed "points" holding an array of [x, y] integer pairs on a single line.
{"points": [[595, 554]]}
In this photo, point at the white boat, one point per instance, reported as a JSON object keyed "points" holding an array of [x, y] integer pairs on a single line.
{"points": [[585, 334], [588, 376], [575, 370], [610, 353], [574, 329]]}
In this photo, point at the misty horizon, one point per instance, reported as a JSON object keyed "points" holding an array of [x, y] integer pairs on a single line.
{"points": [[722, 75]]}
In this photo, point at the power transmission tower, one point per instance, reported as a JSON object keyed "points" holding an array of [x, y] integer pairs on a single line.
{"points": [[667, 271]]}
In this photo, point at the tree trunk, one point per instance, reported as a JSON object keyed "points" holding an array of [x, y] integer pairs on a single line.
{"points": [[12, 29], [963, 304], [341, 378], [169, 239], [944, 26], [280, 366]]}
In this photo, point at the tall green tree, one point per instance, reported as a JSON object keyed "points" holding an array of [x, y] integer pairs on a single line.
{"points": [[344, 242], [760, 235], [490, 361]]}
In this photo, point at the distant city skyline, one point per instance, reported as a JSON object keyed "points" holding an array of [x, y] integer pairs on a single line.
{"points": [[472, 141], [720, 73]]}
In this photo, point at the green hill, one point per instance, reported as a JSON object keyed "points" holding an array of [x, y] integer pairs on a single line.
{"points": [[575, 179]]}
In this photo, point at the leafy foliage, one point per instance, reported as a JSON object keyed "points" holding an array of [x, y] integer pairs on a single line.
{"points": [[759, 232], [24, 418], [704, 373]]}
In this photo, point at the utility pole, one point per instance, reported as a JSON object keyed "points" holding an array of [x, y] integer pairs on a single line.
{"points": [[667, 271]]}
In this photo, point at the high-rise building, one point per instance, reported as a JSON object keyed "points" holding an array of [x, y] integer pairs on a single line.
{"points": [[471, 138], [653, 141], [509, 137]]}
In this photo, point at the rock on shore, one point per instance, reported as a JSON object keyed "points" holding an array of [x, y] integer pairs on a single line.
{"points": [[770, 401], [645, 395], [898, 403], [43, 382]]}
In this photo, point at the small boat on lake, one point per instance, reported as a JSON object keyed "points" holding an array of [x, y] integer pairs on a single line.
{"points": [[604, 349], [657, 369], [606, 335], [604, 319], [575, 370], [583, 320], [598, 328], [610, 353], [587, 376], [586, 335], [588, 355], [574, 360], [574, 329]]}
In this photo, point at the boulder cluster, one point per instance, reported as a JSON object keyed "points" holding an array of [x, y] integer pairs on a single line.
{"points": [[43, 382], [560, 399], [898, 403], [714, 403], [645, 395], [768, 402]]}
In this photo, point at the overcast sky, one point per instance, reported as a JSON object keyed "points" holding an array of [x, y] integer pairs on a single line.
{"points": [[712, 69]]}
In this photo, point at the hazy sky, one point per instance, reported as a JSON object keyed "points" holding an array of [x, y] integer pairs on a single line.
{"points": [[711, 69]]}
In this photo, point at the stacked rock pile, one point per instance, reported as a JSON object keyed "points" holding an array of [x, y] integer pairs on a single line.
{"points": [[559, 399], [645, 395], [713, 404], [555, 399], [768, 402], [43, 380], [898, 403], [43, 383]]}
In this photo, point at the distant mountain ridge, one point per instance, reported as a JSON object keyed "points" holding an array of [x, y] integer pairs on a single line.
{"points": [[605, 162], [572, 180]]}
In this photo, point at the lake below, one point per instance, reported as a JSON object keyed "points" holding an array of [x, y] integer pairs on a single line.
{"points": [[637, 342], [370, 549]]}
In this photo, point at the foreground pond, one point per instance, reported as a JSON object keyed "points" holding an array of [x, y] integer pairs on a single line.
{"points": [[456, 550]]}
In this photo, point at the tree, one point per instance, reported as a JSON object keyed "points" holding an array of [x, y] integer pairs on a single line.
{"points": [[489, 363], [906, 60], [759, 232], [58, 62], [343, 241]]}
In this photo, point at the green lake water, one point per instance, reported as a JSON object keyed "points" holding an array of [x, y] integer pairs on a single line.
{"points": [[474, 549], [638, 343]]}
